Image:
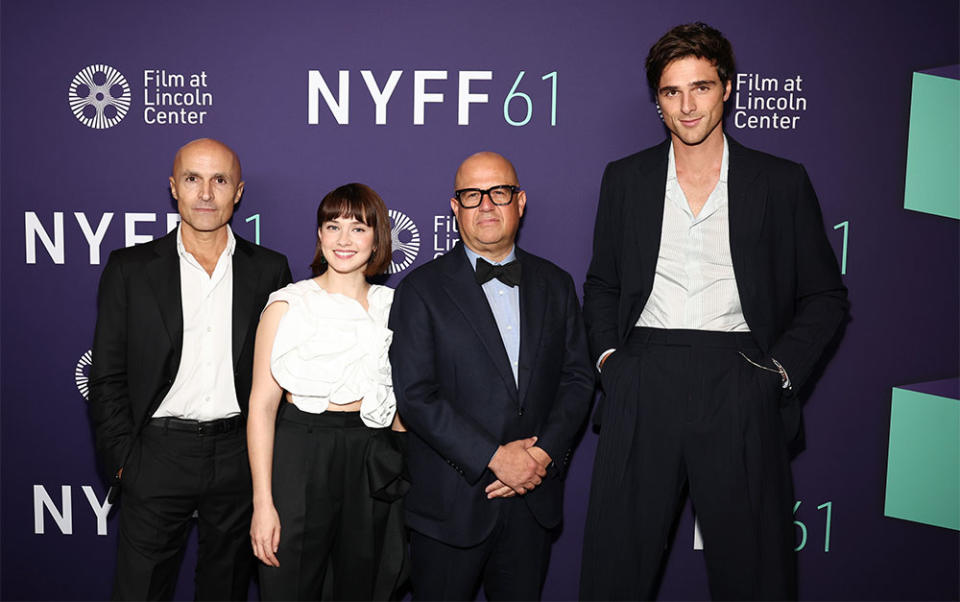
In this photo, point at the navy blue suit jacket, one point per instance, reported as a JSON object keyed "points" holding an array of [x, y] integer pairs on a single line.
{"points": [[457, 395]]}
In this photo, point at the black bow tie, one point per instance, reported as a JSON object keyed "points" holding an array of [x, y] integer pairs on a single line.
{"points": [[508, 273]]}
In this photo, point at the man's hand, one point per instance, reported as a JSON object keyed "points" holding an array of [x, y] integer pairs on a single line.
{"points": [[515, 467], [542, 457], [498, 489]]}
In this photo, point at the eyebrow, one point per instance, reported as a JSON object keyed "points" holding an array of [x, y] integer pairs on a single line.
{"points": [[188, 173], [699, 82]]}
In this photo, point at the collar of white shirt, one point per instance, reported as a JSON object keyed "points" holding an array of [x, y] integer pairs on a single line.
{"points": [[675, 194], [472, 257], [189, 258]]}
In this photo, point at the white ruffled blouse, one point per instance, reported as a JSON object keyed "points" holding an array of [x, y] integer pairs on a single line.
{"points": [[328, 349]]}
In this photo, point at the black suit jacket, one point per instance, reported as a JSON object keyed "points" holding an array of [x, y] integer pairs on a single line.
{"points": [[139, 335], [456, 392], [790, 288]]}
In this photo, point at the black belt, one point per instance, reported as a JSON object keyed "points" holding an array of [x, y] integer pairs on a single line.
{"points": [[210, 427]]}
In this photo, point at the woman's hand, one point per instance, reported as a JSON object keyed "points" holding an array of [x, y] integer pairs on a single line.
{"points": [[265, 534], [398, 425]]}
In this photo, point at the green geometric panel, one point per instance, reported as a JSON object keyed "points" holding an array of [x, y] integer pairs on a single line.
{"points": [[933, 150], [923, 465]]}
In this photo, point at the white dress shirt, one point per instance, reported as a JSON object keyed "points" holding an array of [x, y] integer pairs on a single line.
{"points": [[203, 388], [694, 286]]}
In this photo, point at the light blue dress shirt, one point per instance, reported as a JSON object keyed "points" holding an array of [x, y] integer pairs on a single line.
{"points": [[505, 304]]}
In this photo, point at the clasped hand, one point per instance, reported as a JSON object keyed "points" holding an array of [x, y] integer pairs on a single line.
{"points": [[519, 466]]}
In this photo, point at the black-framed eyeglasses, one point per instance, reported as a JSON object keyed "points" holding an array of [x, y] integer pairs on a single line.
{"points": [[472, 197]]}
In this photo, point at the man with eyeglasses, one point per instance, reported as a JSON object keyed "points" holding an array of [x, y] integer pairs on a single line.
{"points": [[710, 298], [493, 380]]}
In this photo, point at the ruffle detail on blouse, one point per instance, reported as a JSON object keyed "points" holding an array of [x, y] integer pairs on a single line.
{"points": [[328, 349]]}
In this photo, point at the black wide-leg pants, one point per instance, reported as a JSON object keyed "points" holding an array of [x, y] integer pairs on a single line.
{"points": [[684, 409], [336, 488]]}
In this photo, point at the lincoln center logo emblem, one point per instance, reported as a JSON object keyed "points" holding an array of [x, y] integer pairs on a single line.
{"points": [[80, 374], [405, 239], [99, 96]]}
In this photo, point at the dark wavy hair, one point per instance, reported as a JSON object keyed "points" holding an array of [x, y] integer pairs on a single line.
{"points": [[692, 39], [359, 202]]}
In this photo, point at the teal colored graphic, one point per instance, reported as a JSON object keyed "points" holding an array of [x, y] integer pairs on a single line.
{"points": [[846, 236], [933, 149], [923, 465]]}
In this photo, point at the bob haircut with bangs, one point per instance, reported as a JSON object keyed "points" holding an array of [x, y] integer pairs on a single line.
{"points": [[360, 202]]}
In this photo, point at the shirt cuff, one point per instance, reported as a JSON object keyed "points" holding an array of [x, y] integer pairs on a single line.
{"points": [[603, 356]]}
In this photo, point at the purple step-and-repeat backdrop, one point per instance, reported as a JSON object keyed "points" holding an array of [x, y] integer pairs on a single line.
{"points": [[395, 94]]}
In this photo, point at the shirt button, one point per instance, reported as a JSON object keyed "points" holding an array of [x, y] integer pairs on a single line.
{"points": [[509, 327], [500, 292], [209, 328]]}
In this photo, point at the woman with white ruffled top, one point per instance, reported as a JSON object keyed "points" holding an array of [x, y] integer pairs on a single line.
{"points": [[327, 463]]}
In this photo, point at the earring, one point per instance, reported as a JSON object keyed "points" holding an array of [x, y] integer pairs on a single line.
{"points": [[659, 112], [323, 259]]}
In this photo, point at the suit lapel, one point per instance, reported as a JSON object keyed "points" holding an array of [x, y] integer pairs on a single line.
{"points": [[466, 294], [532, 303], [646, 211], [747, 197], [163, 273], [245, 284]]}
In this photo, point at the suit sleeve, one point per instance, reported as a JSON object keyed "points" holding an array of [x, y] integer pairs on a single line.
{"points": [[821, 298], [601, 291], [109, 395], [423, 407], [575, 390], [283, 275]]}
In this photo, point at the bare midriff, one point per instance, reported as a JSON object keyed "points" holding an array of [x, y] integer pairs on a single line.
{"points": [[353, 406]]}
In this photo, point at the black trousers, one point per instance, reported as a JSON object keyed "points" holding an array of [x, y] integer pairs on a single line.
{"points": [[336, 488], [684, 410], [511, 563], [169, 475]]}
